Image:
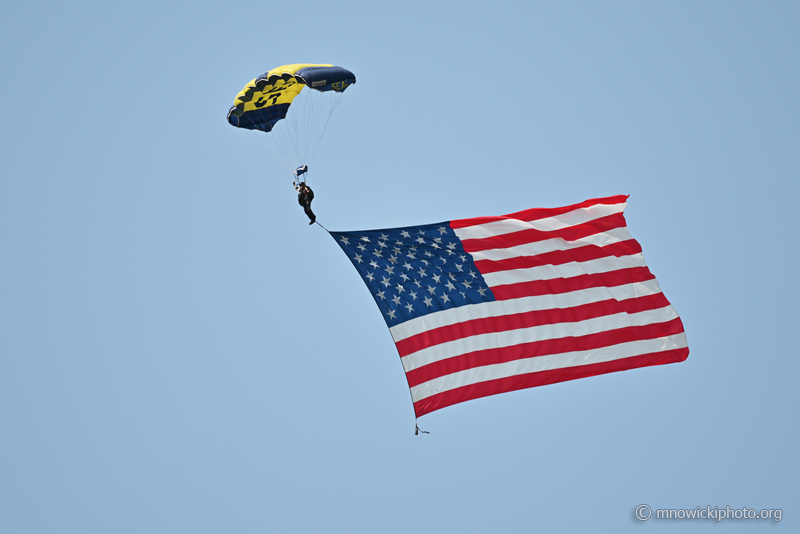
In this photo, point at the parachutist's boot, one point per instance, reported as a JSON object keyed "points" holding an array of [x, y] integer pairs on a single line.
{"points": [[311, 216]]}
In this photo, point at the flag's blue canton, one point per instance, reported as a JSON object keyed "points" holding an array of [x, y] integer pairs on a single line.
{"points": [[414, 271]]}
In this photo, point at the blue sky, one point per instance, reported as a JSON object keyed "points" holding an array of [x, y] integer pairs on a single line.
{"points": [[180, 351]]}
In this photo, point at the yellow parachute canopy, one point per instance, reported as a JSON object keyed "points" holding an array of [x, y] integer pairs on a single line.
{"points": [[267, 99]]}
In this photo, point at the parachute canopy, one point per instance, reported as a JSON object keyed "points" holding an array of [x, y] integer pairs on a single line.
{"points": [[266, 101]]}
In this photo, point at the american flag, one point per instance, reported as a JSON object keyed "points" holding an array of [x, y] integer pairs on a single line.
{"points": [[488, 305]]}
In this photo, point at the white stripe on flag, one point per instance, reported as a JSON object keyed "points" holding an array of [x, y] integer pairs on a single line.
{"points": [[508, 338], [564, 270], [510, 307], [603, 239], [547, 363], [548, 224]]}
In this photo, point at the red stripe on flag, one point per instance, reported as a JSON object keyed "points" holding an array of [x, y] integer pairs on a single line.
{"points": [[539, 213], [566, 285], [531, 235], [504, 323], [560, 257], [525, 381], [542, 348]]}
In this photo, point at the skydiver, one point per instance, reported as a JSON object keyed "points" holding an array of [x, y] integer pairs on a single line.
{"points": [[304, 196]]}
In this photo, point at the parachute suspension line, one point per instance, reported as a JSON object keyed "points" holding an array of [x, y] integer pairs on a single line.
{"points": [[319, 109], [265, 147], [299, 135], [315, 101], [307, 120], [278, 139], [281, 139], [334, 105], [325, 105], [314, 110], [293, 136], [417, 430], [304, 122], [310, 111], [283, 136], [288, 132], [293, 123], [293, 130], [283, 161]]}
